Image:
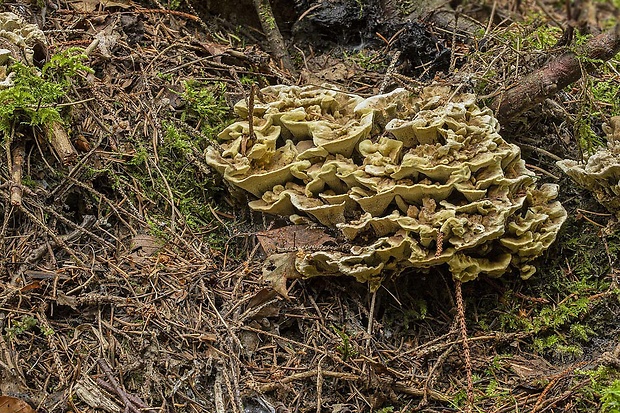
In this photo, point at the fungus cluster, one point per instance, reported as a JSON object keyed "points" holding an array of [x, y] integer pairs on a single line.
{"points": [[408, 180], [600, 174], [17, 42]]}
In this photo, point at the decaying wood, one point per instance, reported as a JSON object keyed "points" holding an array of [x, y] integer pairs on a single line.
{"points": [[437, 12], [18, 154], [276, 41], [91, 394], [12, 379], [556, 75], [58, 138], [131, 402]]}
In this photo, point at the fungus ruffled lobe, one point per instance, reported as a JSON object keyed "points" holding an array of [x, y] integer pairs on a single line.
{"points": [[601, 172], [18, 41], [409, 180]]}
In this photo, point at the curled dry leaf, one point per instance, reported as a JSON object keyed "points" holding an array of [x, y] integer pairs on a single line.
{"points": [[144, 246], [14, 405], [278, 268], [293, 237], [89, 6]]}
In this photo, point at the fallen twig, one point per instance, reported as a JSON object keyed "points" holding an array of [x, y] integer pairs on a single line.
{"points": [[417, 392], [132, 403], [17, 167], [269, 387], [58, 138], [276, 41], [556, 75], [466, 353]]}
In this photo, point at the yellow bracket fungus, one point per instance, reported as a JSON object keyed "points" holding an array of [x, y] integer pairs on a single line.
{"points": [[409, 180], [17, 42], [601, 172]]}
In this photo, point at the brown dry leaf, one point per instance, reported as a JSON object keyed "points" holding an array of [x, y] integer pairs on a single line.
{"points": [[89, 6], [142, 247], [108, 38], [293, 237], [64, 299], [338, 72], [530, 367], [277, 269], [208, 337], [214, 49], [13, 405], [261, 297], [145, 245], [35, 285]]}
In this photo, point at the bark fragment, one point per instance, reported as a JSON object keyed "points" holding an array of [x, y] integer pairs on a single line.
{"points": [[18, 154], [58, 138]]}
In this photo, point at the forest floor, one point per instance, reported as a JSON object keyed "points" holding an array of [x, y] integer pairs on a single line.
{"points": [[131, 280]]}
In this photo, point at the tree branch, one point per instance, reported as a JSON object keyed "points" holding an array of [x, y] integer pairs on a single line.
{"points": [[556, 75], [276, 41]]}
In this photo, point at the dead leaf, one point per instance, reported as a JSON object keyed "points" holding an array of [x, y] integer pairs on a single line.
{"points": [[261, 297], [293, 237], [89, 6], [208, 337], [250, 341], [108, 38], [35, 285], [214, 49], [258, 300], [180, 295], [338, 72], [13, 405], [64, 299], [81, 143], [145, 245], [128, 82], [277, 269]]}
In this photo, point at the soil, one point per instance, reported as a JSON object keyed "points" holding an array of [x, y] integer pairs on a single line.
{"points": [[131, 276]]}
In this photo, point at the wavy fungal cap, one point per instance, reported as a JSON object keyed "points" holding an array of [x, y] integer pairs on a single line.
{"points": [[601, 172], [408, 180], [16, 34]]}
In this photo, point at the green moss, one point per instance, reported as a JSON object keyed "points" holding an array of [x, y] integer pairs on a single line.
{"points": [[34, 96], [192, 190], [600, 99], [267, 18], [601, 392], [533, 34], [345, 348], [610, 398], [368, 60], [178, 177], [26, 324], [571, 281], [207, 108], [174, 4]]}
